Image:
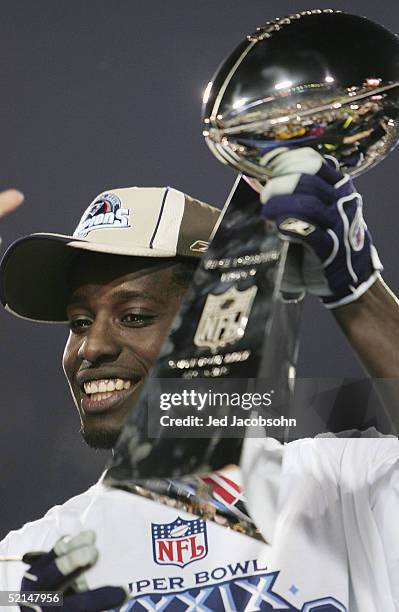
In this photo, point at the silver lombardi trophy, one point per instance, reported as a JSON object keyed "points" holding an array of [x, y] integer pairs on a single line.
{"points": [[319, 78]]}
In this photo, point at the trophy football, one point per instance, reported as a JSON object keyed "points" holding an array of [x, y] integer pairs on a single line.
{"points": [[319, 78]]}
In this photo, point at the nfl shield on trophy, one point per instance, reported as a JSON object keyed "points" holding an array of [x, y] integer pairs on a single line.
{"points": [[224, 318]]}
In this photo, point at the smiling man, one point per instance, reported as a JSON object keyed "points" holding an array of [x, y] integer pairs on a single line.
{"points": [[119, 281], [120, 311], [322, 504], [119, 308]]}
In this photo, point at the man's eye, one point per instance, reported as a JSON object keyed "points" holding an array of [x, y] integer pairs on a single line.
{"points": [[136, 319], [79, 325]]}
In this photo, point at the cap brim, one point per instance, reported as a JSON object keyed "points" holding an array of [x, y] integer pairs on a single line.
{"points": [[34, 273]]}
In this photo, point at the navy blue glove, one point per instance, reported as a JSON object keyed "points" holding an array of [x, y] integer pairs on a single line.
{"points": [[62, 569], [313, 204]]}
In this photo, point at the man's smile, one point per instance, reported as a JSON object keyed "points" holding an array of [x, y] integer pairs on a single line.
{"points": [[105, 386], [100, 393]]}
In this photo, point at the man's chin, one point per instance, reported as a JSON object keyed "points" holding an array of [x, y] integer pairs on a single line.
{"points": [[100, 438]]}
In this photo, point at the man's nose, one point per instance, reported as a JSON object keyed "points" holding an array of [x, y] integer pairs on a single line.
{"points": [[100, 342]]}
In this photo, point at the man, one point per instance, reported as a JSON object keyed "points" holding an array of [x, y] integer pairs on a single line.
{"points": [[119, 281], [119, 311]]}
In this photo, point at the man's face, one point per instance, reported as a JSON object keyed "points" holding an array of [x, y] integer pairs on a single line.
{"points": [[120, 310]]}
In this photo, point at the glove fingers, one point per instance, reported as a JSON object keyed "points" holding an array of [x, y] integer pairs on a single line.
{"points": [[76, 554], [281, 161], [104, 598], [316, 187], [67, 544], [329, 171], [281, 185], [298, 206], [61, 569], [77, 560], [44, 578], [298, 184], [68, 558], [53, 577], [304, 160]]}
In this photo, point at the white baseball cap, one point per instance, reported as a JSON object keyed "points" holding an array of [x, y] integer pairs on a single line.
{"points": [[133, 221]]}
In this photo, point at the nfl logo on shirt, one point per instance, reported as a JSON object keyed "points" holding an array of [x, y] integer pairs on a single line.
{"points": [[180, 542]]}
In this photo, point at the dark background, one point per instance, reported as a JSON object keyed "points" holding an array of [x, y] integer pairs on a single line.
{"points": [[107, 93]]}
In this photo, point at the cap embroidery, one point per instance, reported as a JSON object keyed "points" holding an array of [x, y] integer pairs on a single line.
{"points": [[103, 213]]}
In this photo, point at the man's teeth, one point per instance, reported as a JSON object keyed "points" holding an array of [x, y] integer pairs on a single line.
{"points": [[104, 388]]}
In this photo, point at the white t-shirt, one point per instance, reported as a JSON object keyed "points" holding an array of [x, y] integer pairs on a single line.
{"points": [[328, 507]]}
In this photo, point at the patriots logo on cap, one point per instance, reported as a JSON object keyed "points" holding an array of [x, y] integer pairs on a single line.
{"points": [[103, 213], [180, 542]]}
